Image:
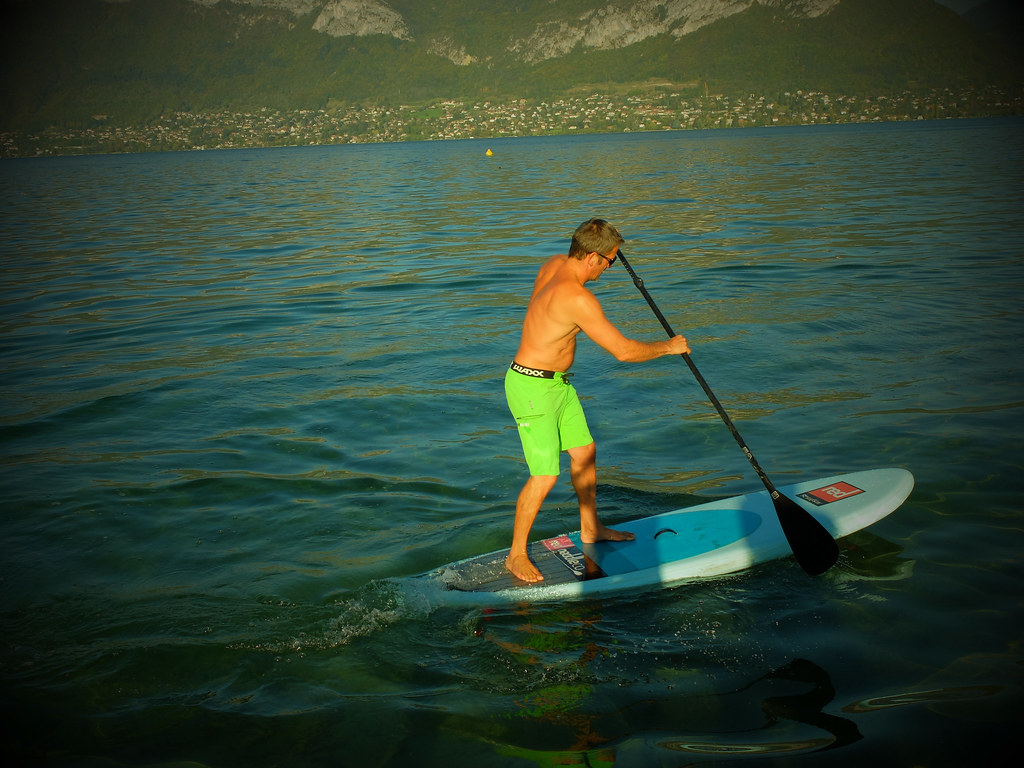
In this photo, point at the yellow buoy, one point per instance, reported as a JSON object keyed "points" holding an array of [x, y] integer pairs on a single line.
{"points": [[489, 153]]}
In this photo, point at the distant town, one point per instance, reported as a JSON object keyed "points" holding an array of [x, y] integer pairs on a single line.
{"points": [[656, 110]]}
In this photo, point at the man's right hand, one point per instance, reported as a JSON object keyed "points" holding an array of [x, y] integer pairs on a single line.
{"points": [[677, 346]]}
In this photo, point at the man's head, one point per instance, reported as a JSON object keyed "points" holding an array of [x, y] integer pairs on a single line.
{"points": [[594, 236]]}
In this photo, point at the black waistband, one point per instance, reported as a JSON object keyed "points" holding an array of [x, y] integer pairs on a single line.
{"points": [[537, 373]]}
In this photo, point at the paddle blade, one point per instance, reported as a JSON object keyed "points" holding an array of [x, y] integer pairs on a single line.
{"points": [[812, 545]]}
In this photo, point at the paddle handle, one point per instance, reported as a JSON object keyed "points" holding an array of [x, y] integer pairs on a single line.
{"points": [[700, 380]]}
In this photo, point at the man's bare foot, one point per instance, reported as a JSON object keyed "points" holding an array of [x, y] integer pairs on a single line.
{"points": [[604, 533], [522, 568]]}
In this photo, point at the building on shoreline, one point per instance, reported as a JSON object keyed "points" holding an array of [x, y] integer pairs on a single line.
{"points": [[453, 119]]}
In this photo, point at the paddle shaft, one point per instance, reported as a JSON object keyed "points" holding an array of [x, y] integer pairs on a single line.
{"points": [[700, 380]]}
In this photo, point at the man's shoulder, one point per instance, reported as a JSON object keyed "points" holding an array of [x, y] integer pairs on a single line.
{"points": [[572, 298], [554, 263], [548, 274]]}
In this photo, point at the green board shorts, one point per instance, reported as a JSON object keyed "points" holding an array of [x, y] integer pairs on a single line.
{"points": [[549, 416]]}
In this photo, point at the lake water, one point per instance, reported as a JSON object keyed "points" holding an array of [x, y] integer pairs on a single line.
{"points": [[248, 396]]}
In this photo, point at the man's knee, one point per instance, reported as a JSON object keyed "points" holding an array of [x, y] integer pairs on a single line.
{"points": [[542, 482], [584, 454]]}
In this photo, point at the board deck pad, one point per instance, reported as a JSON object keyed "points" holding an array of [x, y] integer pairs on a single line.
{"points": [[710, 539], [559, 561]]}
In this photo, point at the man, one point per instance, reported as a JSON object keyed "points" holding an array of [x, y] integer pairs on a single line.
{"points": [[544, 404]]}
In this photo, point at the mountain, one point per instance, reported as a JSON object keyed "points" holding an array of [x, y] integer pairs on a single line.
{"points": [[65, 61]]}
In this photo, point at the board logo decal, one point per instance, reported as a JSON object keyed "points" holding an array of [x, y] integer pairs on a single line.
{"points": [[574, 560], [568, 554], [828, 494], [559, 542]]}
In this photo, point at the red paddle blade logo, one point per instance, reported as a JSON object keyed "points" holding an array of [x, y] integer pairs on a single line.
{"points": [[828, 494]]}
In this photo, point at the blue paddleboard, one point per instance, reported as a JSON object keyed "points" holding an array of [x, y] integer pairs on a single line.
{"points": [[698, 542]]}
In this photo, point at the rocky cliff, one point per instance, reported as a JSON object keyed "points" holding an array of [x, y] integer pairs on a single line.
{"points": [[603, 24]]}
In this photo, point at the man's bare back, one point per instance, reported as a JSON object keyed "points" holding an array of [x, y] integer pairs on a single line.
{"points": [[549, 330]]}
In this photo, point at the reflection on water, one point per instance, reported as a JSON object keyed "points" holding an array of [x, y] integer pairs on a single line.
{"points": [[808, 707], [560, 655], [924, 697]]}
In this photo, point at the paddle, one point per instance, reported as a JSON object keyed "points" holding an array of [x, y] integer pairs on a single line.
{"points": [[812, 545]]}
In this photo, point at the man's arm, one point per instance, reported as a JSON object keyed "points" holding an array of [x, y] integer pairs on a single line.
{"points": [[591, 319]]}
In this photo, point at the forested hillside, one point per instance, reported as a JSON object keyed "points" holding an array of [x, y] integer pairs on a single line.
{"points": [[67, 61]]}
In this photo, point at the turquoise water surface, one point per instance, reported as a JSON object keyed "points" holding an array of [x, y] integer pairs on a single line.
{"points": [[248, 396]]}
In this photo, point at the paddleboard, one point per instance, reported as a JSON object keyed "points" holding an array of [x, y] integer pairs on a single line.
{"points": [[707, 540]]}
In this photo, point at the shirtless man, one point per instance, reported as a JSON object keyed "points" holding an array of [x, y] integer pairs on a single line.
{"points": [[543, 402]]}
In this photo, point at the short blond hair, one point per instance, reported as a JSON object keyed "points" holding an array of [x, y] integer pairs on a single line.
{"points": [[594, 236]]}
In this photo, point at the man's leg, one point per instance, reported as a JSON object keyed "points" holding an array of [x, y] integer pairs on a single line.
{"points": [[584, 479], [583, 470], [527, 506]]}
